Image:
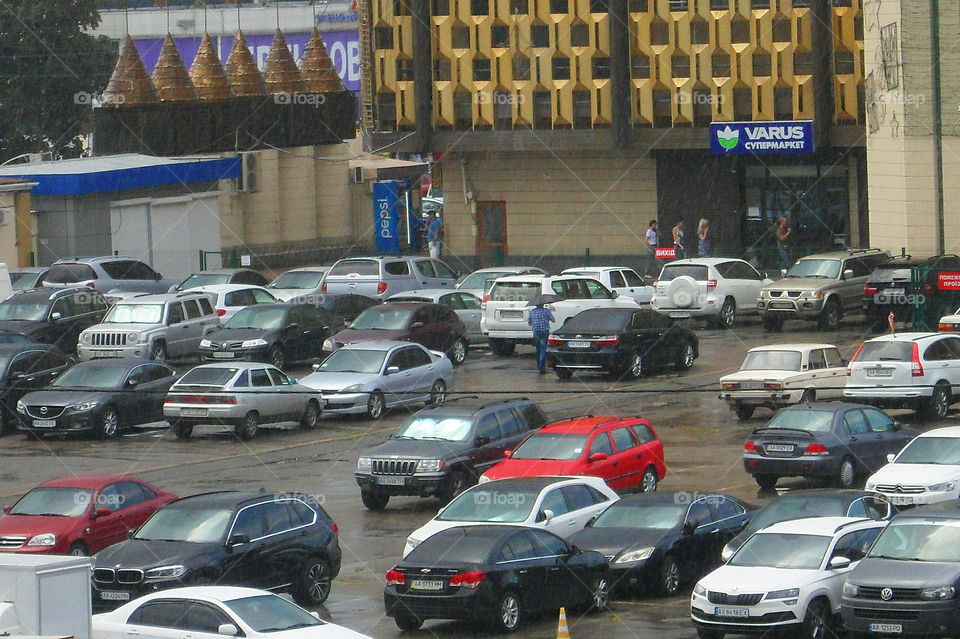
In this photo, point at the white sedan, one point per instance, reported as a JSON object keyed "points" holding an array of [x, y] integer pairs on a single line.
{"points": [[562, 505], [227, 299], [215, 612]]}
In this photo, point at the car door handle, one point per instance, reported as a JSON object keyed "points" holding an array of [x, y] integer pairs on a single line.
{"points": [[853, 439], [714, 531], [523, 572]]}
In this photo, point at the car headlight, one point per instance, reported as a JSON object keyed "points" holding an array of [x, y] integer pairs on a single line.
{"points": [[165, 572], [83, 406], [943, 592], [328, 344], [726, 553], [699, 590], [356, 388], [365, 464], [850, 590], [43, 539], [253, 343], [944, 487], [85, 338], [789, 593], [133, 337], [634, 555], [429, 465], [205, 343], [21, 407]]}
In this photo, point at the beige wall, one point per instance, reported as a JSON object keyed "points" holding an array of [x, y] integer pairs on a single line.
{"points": [[8, 231]]}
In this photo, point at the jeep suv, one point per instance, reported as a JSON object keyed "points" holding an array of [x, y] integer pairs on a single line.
{"points": [[154, 327], [822, 287], [381, 277], [442, 449], [53, 316], [109, 273]]}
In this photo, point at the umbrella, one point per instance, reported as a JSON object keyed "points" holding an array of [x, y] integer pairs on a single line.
{"points": [[545, 298]]}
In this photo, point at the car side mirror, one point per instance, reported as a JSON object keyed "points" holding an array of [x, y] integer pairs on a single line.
{"points": [[847, 274], [159, 276], [897, 425], [690, 526], [315, 367], [481, 440], [131, 533], [839, 563], [133, 381], [417, 325], [597, 457], [508, 453], [237, 540], [55, 316], [293, 326], [7, 508], [101, 512], [545, 515], [890, 457], [227, 629], [392, 369], [575, 550]]}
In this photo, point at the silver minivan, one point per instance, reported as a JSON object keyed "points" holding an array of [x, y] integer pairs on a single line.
{"points": [[381, 277]]}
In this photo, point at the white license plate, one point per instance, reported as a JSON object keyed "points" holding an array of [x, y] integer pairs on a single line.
{"points": [[752, 386], [900, 500], [426, 584], [107, 353], [721, 611], [194, 412], [511, 314], [879, 372], [778, 448], [115, 596], [894, 291], [781, 305], [578, 344], [224, 355], [679, 315], [391, 481], [44, 423], [885, 627]]}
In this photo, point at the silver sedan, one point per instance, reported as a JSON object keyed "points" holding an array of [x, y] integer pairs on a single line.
{"points": [[369, 377]]}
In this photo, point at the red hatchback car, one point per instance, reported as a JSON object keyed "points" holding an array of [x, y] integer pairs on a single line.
{"points": [[78, 515], [624, 451]]}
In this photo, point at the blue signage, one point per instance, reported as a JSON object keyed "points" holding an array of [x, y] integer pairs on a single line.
{"points": [[755, 138], [385, 218]]}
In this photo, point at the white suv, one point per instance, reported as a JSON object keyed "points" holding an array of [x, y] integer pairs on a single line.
{"points": [[714, 288], [906, 370], [505, 307], [786, 577], [621, 279], [926, 471]]}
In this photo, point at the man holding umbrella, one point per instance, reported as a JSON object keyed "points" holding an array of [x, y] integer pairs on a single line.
{"points": [[539, 318]]}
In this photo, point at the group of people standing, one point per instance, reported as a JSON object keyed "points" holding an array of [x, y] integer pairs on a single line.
{"points": [[679, 242]]}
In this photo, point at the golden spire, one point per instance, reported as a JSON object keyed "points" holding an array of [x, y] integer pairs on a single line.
{"points": [[170, 77], [317, 69], [242, 71], [280, 72], [129, 84], [207, 73]]}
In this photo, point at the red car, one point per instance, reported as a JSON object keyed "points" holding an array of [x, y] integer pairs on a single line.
{"points": [[78, 515], [624, 451]]}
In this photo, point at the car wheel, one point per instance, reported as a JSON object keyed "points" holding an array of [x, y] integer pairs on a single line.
{"points": [[829, 317], [808, 396], [108, 426], [277, 357], [817, 622], [314, 586], [728, 314], [458, 352], [686, 357], [455, 484], [158, 352], [709, 633], [375, 405], [648, 483], [766, 482], [181, 430], [744, 411], [938, 405], [407, 622], [847, 475], [563, 373], [248, 427], [311, 416], [507, 614], [78, 549], [438, 392], [600, 594], [373, 500], [772, 323], [636, 368], [669, 576], [502, 347]]}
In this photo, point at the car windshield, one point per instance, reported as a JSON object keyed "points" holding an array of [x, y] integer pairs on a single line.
{"points": [[208, 376], [598, 321], [297, 279], [452, 545], [482, 280], [134, 314], [514, 291], [771, 361], [268, 319], [551, 446], [63, 502], [22, 281], [271, 613], [102, 377], [203, 279], [13, 309], [782, 550], [353, 360], [829, 269], [919, 540], [797, 507], [885, 351], [812, 421], [491, 503], [642, 516], [379, 318], [186, 523], [931, 450], [448, 429], [671, 272]]}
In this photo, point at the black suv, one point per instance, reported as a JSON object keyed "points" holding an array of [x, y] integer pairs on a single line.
{"points": [[892, 288], [907, 584], [444, 448], [25, 368], [620, 343], [53, 316], [280, 541]]}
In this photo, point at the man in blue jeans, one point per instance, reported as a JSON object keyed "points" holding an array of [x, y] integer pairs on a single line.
{"points": [[540, 318]]}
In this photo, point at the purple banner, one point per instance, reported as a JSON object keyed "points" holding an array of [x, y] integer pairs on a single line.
{"points": [[343, 47]]}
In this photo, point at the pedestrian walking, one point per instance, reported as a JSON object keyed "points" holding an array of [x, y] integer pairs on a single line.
{"points": [[434, 234], [678, 240], [539, 318], [783, 242], [653, 267], [703, 236]]}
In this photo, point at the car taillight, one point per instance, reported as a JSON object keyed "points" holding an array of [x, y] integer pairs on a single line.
{"points": [[816, 449], [869, 290], [853, 359], [916, 368], [221, 312], [773, 385], [486, 298], [200, 399], [730, 386], [553, 340], [395, 578], [468, 579], [324, 287], [945, 327], [711, 284], [334, 528], [750, 447], [382, 287], [607, 340]]}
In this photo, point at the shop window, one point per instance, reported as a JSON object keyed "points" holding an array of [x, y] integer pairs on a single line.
{"points": [[521, 67], [542, 110], [502, 110], [500, 37], [637, 6], [720, 65], [479, 7], [639, 66], [843, 62], [601, 68], [761, 65], [481, 70], [804, 63], [702, 107], [742, 104], [700, 32], [441, 70], [659, 33], [599, 6], [383, 37], [579, 35], [387, 111], [520, 7], [460, 37], [540, 35], [662, 108], [405, 70], [783, 103], [782, 31], [680, 66], [560, 68], [559, 6], [401, 7], [582, 115], [462, 110], [740, 31]]}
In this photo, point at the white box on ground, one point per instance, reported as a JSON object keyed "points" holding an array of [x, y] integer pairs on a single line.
{"points": [[48, 594]]}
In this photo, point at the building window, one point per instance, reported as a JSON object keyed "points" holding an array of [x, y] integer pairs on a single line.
{"points": [[401, 7], [481, 70], [719, 5], [542, 110], [783, 103], [462, 110], [582, 113], [679, 5], [782, 31], [539, 35], [559, 6], [680, 66], [803, 63], [460, 37], [858, 28], [579, 35], [405, 70], [441, 70], [637, 6], [387, 111], [521, 67], [383, 37], [801, 4], [662, 108], [599, 6], [440, 7], [639, 66], [502, 110], [742, 104], [739, 31], [500, 37], [700, 32], [842, 3], [702, 107], [721, 65], [520, 7], [479, 7], [601, 68], [560, 68], [843, 62], [659, 32], [759, 4], [762, 66]]}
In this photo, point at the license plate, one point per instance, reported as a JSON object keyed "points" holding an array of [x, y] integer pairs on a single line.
{"points": [[879, 372], [115, 596], [900, 500], [679, 315], [44, 423], [194, 412], [224, 355], [426, 584], [107, 353], [578, 344], [885, 627], [391, 481], [721, 611], [894, 291], [752, 386], [779, 448], [511, 314], [781, 305]]}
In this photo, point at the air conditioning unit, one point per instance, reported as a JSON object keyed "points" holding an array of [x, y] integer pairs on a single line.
{"points": [[249, 163], [6, 216]]}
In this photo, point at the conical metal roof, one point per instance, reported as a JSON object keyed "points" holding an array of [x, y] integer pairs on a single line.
{"points": [[242, 71], [207, 73], [317, 68], [170, 77], [129, 84], [280, 72]]}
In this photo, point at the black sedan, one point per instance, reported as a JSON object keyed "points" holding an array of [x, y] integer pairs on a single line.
{"points": [[823, 440], [661, 541], [104, 396], [620, 342], [345, 307], [493, 574], [273, 333], [25, 368], [282, 542]]}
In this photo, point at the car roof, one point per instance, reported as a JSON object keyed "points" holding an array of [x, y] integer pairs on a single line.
{"points": [[234, 364], [505, 269], [225, 271], [823, 526], [156, 298], [110, 362], [944, 509], [400, 305], [578, 269], [586, 424], [14, 349], [469, 405], [904, 337], [214, 593], [702, 261], [679, 497], [834, 406], [91, 480], [946, 431], [825, 493], [836, 255], [48, 294], [223, 288], [283, 305], [787, 347], [533, 483], [376, 345], [93, 259], [222, 498], [308, 269], [432, 293]]}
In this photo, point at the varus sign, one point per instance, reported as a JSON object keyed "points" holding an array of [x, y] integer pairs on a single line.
{"points": [[749, 138]]}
